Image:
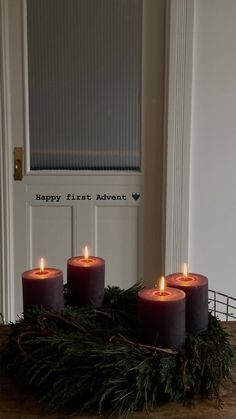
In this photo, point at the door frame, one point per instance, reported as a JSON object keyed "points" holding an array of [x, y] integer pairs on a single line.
{"points": [[178, 132], [177, 139], [6, 171]]}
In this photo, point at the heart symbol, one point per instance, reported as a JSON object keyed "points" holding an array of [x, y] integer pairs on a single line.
{"points": [[135, 196]]}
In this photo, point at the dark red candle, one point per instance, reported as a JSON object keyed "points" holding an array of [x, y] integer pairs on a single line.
{"points": [[85, 280], [196, 288], [43, 287], [161, 317]]}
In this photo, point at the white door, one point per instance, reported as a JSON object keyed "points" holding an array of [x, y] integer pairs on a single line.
{"points": [[56, 212]]}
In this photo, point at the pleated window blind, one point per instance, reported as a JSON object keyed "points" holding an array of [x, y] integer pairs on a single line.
{"points": [[84, 80]]}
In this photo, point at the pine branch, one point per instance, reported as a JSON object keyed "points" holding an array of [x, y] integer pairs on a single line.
{"points": [[91, 358]]}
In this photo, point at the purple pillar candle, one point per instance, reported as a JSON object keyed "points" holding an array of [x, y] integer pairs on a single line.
{"points": [[85, 280], [195, 287], [43, 287], [161, 317]]}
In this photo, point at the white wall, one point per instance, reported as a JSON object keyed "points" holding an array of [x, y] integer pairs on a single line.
{"points": [[212, 240]]}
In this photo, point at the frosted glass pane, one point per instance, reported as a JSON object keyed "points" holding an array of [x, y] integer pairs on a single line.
{"points": [[84, 66]]}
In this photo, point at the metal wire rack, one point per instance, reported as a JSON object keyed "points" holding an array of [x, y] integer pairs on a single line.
{"points": [[221, 305]]}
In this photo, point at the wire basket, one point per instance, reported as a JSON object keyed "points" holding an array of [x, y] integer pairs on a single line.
{"points": [[221, 305]]}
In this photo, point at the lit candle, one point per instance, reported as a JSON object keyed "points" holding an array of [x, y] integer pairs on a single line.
{"points": [[85, 280], [196, 288], [161, 316], [43, 287]]}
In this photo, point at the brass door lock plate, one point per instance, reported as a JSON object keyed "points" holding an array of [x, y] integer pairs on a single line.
{"points": [[18, 163]]}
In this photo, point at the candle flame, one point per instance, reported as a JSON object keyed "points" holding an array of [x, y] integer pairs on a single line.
{"points": [[42, 265], [86, 252], [162, 284], [185, 270]]}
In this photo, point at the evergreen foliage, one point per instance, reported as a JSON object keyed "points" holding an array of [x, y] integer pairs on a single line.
{"points": [[89, 358]]}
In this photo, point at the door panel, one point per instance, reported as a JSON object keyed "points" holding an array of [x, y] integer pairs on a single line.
{"points": [[51, 228], [57, 221], [116, 225]]}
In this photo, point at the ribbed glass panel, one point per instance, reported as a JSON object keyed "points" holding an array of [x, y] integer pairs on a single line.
{"points": [[84, 66]]}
